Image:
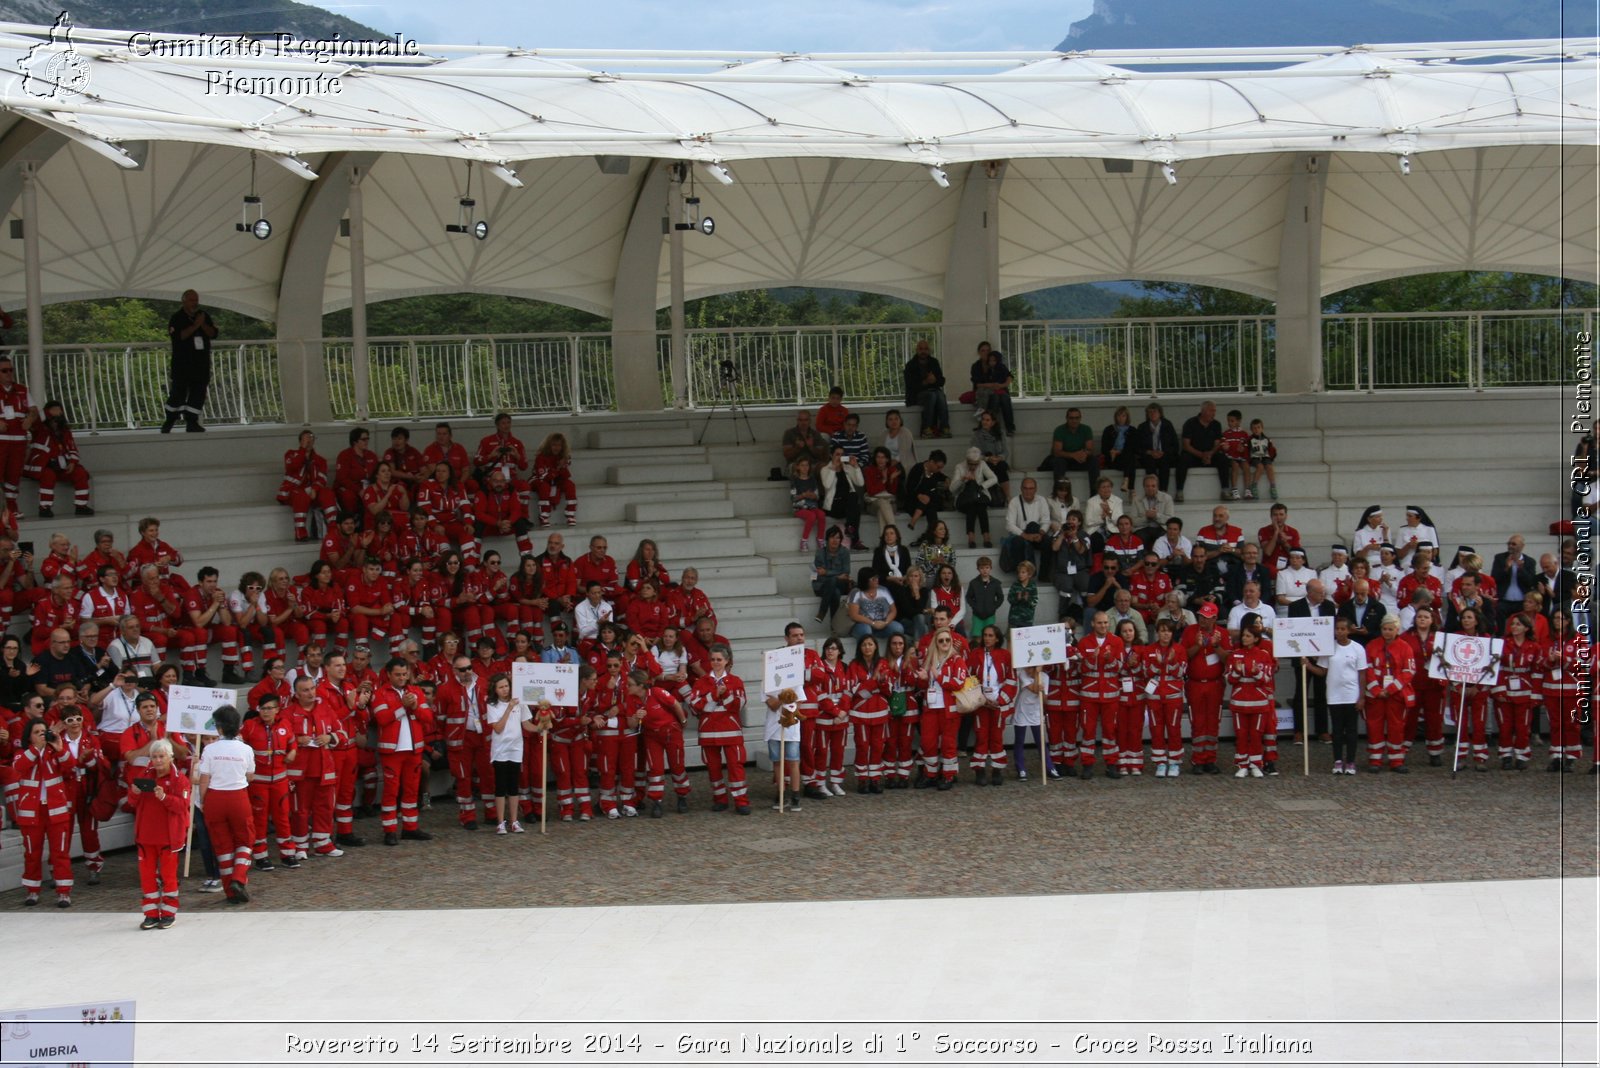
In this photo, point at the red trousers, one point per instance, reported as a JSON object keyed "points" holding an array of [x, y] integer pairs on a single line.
{"points": [[1474, 731], [725, 766], [872, 735], [57, 835], [1565, 740], [813, 772], [1100, 718], [470, 768], [1130, 734], [1386, 731], [158, 878], [899, 745], [1205, 719], [270, 800], [1166, 729], [1061, 729], [232, 832], [534, 776], [571, 761], [75, 475], [552, 490], [1514, 725], [318, 801], [1430, 707], [88, 827], [402, 780], [1247, 749], [940, 729], [830, 753], [300, 502], [989, 738], [616, 755], [195, 641], [663, 751], [12, 453], [344, 797], [326, 632]]}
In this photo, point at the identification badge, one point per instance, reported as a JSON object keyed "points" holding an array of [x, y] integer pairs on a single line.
{"points": [[199, 343], [935, 696], [11, 413], [1127, 685], [1515, 682], [1555, 675], [1150, 688], [1072, 569], [1388, 681], [1212, 660], [611, 722]]}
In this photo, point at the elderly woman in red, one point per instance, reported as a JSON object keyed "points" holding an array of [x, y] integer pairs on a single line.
{"points": [[1391, 669], [1251, 670], [161, 814], [944, 674], [42, 807], [1516, 692], [1567, 656], [990, 663]]}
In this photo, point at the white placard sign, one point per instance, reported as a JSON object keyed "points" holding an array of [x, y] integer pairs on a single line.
{"points": [[1466, 658], [555, 683], [784, 669], [190, 708], [1033, 646], [100, 1034], [1308, 636]]}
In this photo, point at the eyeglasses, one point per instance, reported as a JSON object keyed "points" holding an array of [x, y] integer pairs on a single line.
{"points": [[255, 586]]}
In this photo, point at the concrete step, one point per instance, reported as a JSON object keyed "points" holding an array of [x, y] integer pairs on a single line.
{"points": [[663, 511], [1495, 441], [658, 474], [652, 437]]}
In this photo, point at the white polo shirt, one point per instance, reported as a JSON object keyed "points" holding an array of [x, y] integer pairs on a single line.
{"points": [[1344, 665], [229, 762]]}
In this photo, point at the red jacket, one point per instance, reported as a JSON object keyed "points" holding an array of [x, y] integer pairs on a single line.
{"points": [[1100, 662], [689, 605], [274, 746], [1252, 672], [408, 459], [390, 713], [1005, 678], [834, 689], [650, 618], [548, 469], [1166, 667], [1391, 666], [41, 786], [1207, 659], [354, 469], [491, 509], [721, 719], [1519, 669], [455, 455], [450, 706], [303, 470], [487, 455], [144, 553], [660, 710], [560, 576], [605, 573], [164, 822], [58, 450]]}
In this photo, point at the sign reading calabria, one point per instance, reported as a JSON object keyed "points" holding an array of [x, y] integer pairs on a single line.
{"points": [[100, 1034], [1033, 646]]}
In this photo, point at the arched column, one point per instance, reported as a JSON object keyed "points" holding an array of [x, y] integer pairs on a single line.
{"points": [[1299, 327], [302, 375], [633, 304]]}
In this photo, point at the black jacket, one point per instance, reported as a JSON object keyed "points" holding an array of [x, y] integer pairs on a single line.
{"points": [[1500, 571], [1144, 440], [913, 374], [1366, 623]]}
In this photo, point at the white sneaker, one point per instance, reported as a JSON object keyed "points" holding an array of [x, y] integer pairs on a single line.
{"points": [[1173, 770], [1242, 773], [211, 886], [1338, 767], [1136, 771], [1256, 772], [516, 828], [500, 828], [613, 815], [629, 811], [1161, 771], [567, 818], [1022, 773], [330, 853], [836, 790], [805, 546], [300, 854]]}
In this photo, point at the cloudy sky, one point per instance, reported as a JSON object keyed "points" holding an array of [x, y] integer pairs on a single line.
{"points": [[763, 25]]}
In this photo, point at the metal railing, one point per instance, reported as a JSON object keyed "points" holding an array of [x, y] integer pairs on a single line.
{"points": [[1450, 350], [413, 377], [1141, 357], [124, 386]]}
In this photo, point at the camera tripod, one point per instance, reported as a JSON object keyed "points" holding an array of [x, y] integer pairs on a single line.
{"points": [[728, 398]]}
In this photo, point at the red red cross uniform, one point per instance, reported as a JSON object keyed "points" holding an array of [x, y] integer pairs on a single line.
{"points": [[904, 728], [147, 553], [326, 617], [305, 482], [352, 471], [1063, 712], [503, 514], [1160, 680], [663, 743], [869, 719], [53, 457], [1565, 664], [359, 593], [1208, 655], [941, 722], [569, 753], [552, 481], [49, 614], [615, 745], [318, 788], [461, 710], [160, 832], [402, 735], [1430, 698], [992, 667], [93, 773], [352, 725], [42, 805], [718, 704], [196, 639], [488, 458], [1251, 673], [14, 408], [269, 785], [834, 692], [1099, 678], [1391, 667], [449, 511], [1516, 692]]}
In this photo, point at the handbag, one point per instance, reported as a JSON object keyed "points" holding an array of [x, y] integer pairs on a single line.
{"points": [[845, 502], [969, 698], [972, 497]]}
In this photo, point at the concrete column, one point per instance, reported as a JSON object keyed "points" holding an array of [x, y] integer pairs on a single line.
{"points": [[38, 388], [633, 304], [972, 278], [1299, 330], [358, 298], [302, 374]]}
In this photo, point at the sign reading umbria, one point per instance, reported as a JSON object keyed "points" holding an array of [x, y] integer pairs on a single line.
{"points": [[100, 1034]]}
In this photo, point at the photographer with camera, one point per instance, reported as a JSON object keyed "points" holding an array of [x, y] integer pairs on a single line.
{"points": [[503, 452], [42, 803], [161, 814]]}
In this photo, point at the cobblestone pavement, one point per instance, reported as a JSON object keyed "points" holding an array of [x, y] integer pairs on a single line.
{"points": [[1146, 834]]}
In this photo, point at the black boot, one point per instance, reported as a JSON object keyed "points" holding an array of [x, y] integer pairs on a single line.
{"points": [[981, 776], [171, 421], [997, 777]]}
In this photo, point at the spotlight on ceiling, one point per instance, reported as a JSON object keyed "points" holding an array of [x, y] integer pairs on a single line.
{"points": [[936, 172], [1170, 173], [1405, 165], [259, 227], [719, 172], [465, 224]]}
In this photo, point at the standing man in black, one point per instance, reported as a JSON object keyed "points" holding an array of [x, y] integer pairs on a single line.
{"points": [[1202, 447], [192, 332], [1514, 575]]}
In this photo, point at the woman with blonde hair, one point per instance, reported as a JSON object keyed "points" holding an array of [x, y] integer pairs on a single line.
{"points": [[552, 478], [944, 674]]}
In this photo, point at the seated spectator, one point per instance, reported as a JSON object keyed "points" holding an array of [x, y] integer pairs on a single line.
{"points": [[62, 559], [689, 602], [990, 440], [891, 561], [159, 606], [1072, 449], [1196, 578], [1250, 604], [386, 495], [881, 483], [831, 416], [1118, 447], [854, 443], [593, 611], [420, 541], [1292, 581], [449, 509], [1236, 571], [1338, 570], [248, 608], [61, 665], [560, 576], [1150, 509], [1101, 512], [872, 608], [16, 683], [1062, 501], [1467, 596], [1221, 537], [1122, 611], [409, 466], [1103, 585], [946, 595], [932, 550], [105, 604], [353, 469], [57, 609], [345, 548], [1072, 565], [1421, 578], [1156, 442], [1343, 591], [1124, 544], [499, 512], [552, 479], [843, 486], [1172, 546], [898, 440], [305, 482], [150, 549], [991, 385], [105, 552], [445, 449], [801, 440], [1512, 575], [1172, 609], [830, 573], [370, 602], [645, 566], [1278, 537], [1236, 447], [805, 498], [388, 546], [1200, 445], [596, 566], [53, 457], [970, 485], [282, 614], [1371, 532], [1149, 585], [208, 622], [502, 451], [924, 382], [1386, 578], [926, 489], [1029, 525]]}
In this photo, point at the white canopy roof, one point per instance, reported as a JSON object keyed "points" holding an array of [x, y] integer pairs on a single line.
{"points": [[830, 157]]}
